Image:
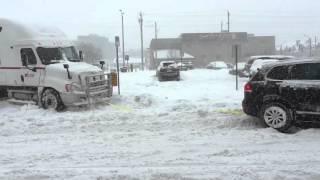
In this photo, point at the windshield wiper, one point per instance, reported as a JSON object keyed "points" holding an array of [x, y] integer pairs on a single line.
{"points": [[74, 60]]}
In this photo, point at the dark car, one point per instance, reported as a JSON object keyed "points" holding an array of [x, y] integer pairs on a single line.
{"points": [[124, 69], [285, 94], [252, 59], [168, 70], [189, 64]]}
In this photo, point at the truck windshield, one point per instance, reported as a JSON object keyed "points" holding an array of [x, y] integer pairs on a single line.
{"points": [[57, 54]]}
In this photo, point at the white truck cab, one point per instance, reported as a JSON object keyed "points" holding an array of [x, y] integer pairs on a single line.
{"points": [[46, 68]]}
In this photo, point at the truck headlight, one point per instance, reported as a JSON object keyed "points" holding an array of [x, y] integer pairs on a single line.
{"points": [[72, 87]]}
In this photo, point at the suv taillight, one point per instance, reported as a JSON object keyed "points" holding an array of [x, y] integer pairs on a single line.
{"points": [[248, 88]]}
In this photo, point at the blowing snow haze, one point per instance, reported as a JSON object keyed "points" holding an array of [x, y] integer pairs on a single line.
{"points": [[201, 101], [288, 20]]}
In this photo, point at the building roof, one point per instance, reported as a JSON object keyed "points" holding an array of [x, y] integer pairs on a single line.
{"points": [[221, 36]]}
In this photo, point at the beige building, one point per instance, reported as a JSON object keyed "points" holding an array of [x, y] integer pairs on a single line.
{"points": [[208, 47]]}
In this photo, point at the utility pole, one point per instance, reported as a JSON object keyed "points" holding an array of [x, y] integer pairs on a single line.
{"points": [[117, 44], [123, 51], [141, 34], [221, 26], [156, 37], [228, 21], [155, 30], [310, 46], [315, 42], [236, 50]]}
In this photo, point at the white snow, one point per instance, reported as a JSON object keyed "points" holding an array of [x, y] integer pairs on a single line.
{"points": [[191, 129]]}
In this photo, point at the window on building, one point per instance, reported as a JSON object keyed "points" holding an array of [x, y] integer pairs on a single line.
{"points": [[28, 57]]}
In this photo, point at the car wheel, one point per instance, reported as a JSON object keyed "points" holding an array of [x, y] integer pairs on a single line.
{"points": [[277, 116], [50, 99]]}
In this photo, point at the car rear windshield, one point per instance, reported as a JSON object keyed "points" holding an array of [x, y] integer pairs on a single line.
{"points": [[259, 76], [166, 64]]}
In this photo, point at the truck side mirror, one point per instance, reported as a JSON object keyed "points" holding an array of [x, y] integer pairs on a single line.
{"points": [[81, 55], [66, 66]]}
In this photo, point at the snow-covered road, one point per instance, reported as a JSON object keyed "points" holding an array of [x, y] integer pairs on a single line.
{"points": [[192, 129]]}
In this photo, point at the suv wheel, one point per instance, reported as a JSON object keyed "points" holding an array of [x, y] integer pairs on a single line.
{"points": [[277, 116]]}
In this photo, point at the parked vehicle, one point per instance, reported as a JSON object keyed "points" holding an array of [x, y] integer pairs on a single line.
{"points": [[230, 65], [168, 70], [47, 69], [189, 64], [241, 72], [252, 59], [182, 66], [216, 65], [284, 94], [257, 64], [124, 69]]}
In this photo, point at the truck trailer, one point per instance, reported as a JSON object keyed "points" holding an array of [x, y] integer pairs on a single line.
{"points": [[45, 68]]}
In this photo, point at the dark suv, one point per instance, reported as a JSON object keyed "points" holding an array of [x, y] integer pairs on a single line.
{"points": [[285, 94]]}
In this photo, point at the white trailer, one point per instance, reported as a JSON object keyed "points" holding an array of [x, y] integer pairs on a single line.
{"points": [[46, 68]]}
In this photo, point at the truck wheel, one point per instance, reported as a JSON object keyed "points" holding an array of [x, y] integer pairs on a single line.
{"points": [[277, 116], [50, 99], [160, 78]]}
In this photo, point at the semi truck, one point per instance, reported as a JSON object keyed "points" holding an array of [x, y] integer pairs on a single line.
{"points": [[45, 68]]}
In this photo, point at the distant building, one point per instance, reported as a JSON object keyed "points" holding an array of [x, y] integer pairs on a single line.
{"points": [[208, 47]]}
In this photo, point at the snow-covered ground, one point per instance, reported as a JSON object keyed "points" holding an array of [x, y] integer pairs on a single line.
{"points": [[192, 129]]}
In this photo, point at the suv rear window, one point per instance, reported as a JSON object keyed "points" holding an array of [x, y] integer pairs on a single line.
{"points": [[306, 71], [259, 76], [279, 73]]}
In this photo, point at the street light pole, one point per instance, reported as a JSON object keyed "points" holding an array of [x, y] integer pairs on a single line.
{"points": [[141, 35], [117, 44], [123, 51]]}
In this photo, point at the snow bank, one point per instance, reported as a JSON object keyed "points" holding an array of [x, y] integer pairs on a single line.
{"points": [[192, 129]]}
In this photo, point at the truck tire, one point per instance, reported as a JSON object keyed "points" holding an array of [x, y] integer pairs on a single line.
{"points": [[277, 116], [50, 99]]}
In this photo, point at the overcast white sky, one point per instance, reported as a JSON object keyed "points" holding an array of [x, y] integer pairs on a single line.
{"points": [[288, 20]]}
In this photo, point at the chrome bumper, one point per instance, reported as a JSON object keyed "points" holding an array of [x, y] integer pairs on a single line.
{"points": [[91, 94]]}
